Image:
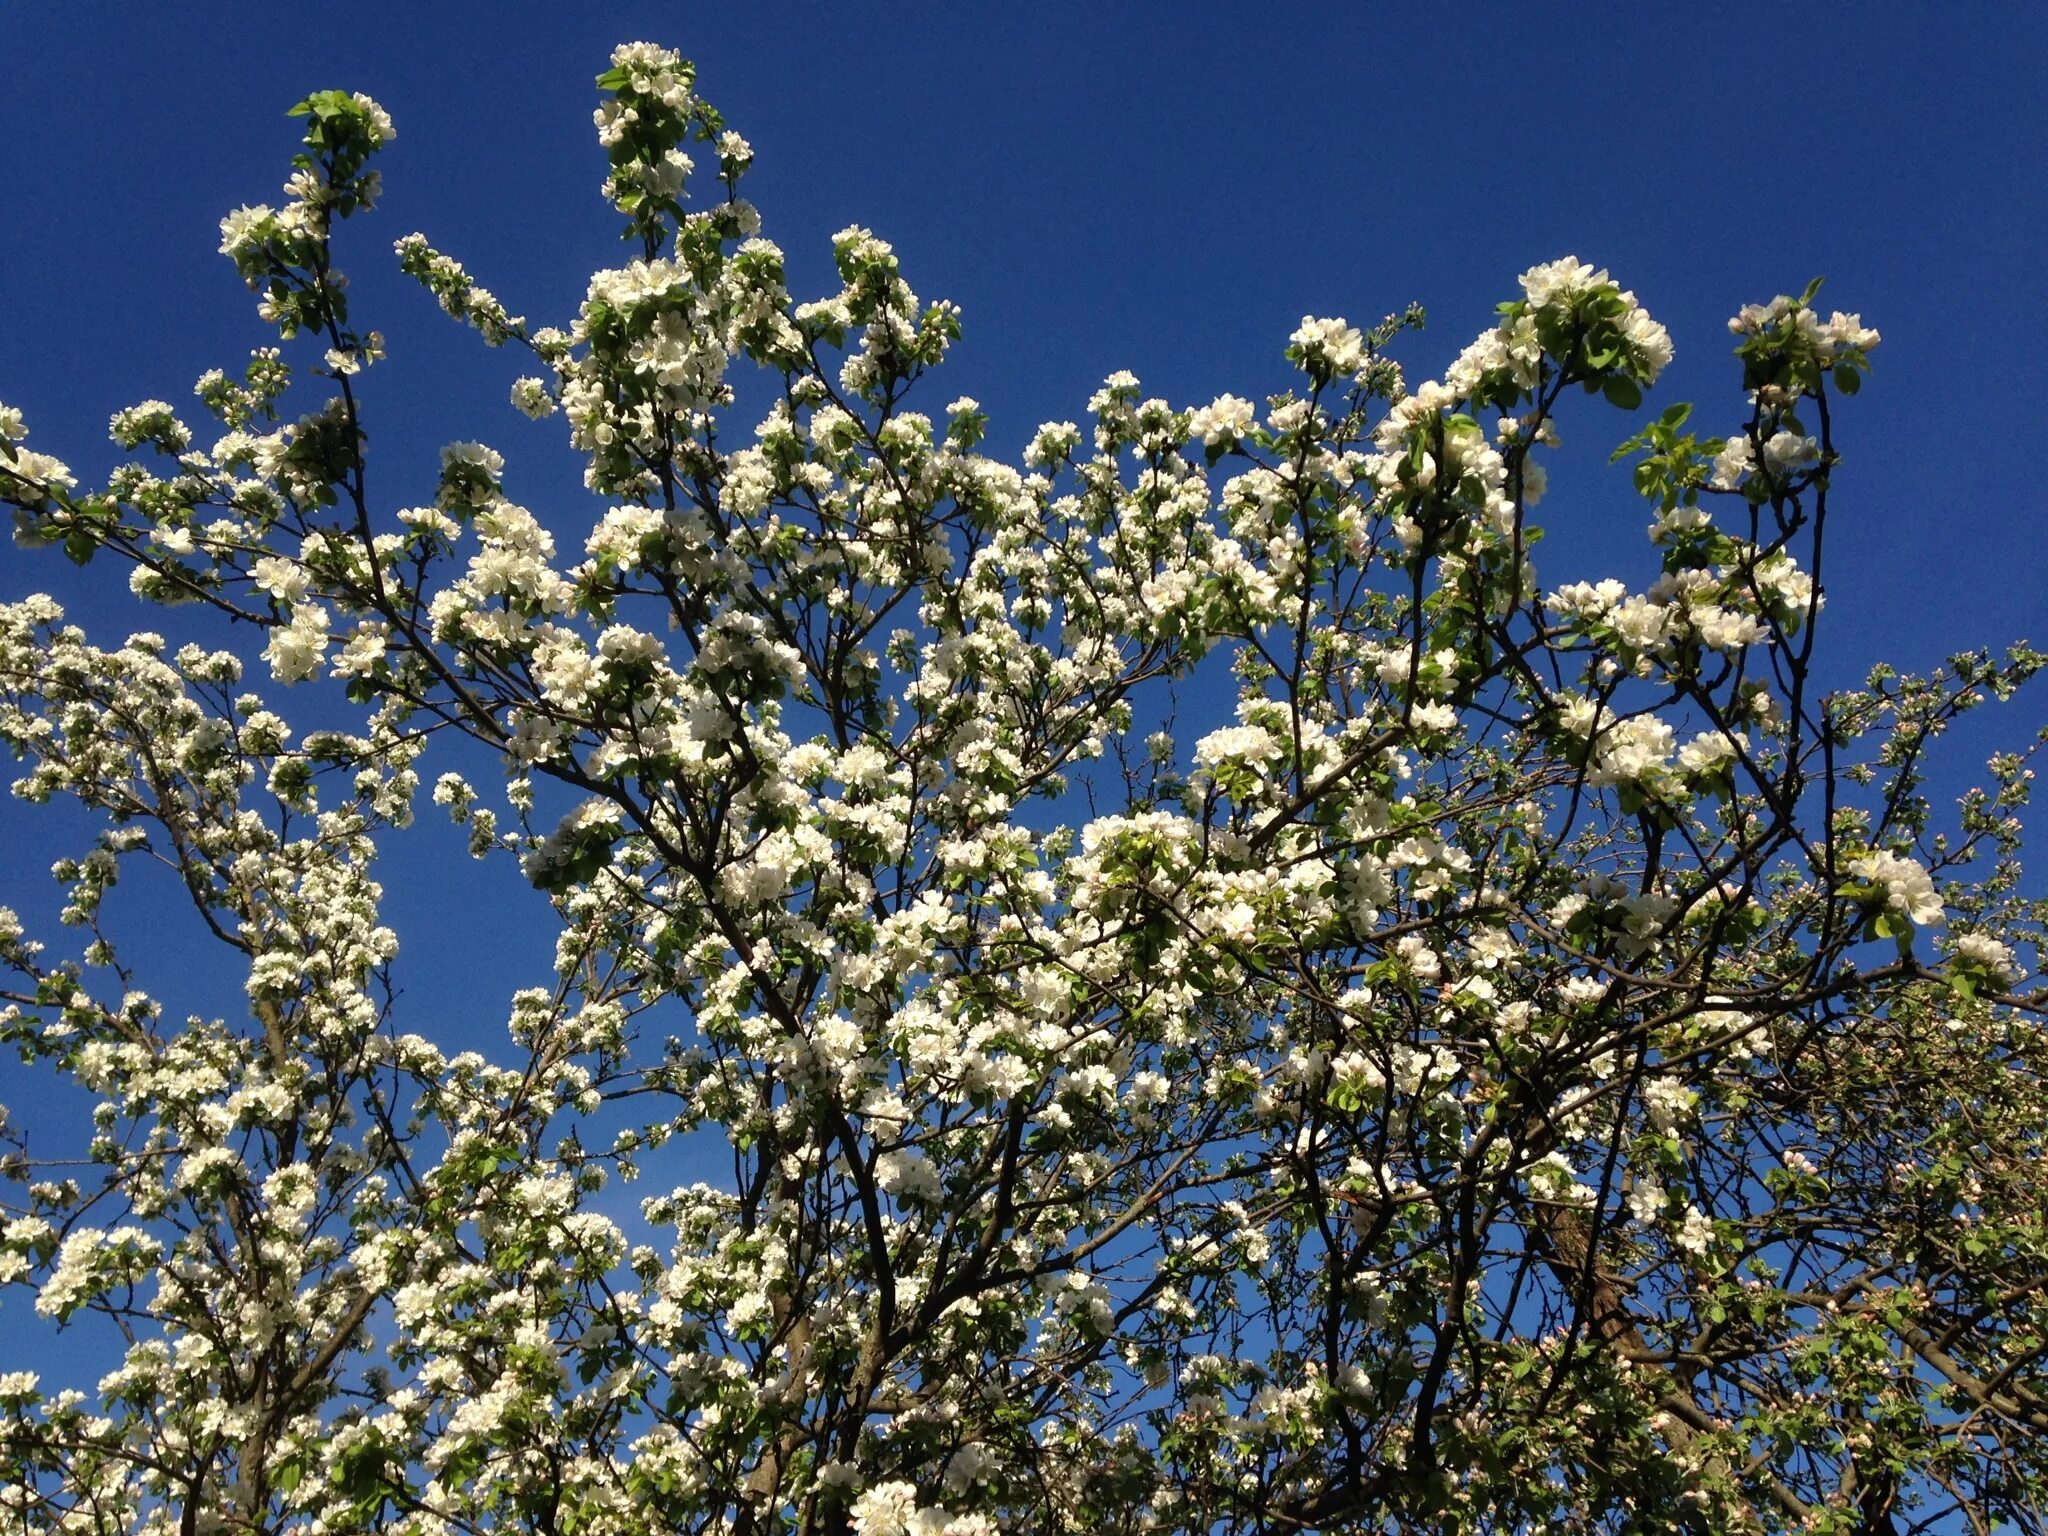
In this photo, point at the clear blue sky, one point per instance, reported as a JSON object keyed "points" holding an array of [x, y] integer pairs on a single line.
{"points": [[1161, 188], [1156, 187]]}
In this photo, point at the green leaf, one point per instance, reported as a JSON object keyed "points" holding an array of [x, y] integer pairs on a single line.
{"points": [[1622, 391]]}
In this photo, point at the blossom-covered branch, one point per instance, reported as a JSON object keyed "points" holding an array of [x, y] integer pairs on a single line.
{"points": [[1227, 1001]]}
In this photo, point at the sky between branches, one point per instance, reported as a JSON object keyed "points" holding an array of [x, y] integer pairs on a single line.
{"points": [[1157, 188]]}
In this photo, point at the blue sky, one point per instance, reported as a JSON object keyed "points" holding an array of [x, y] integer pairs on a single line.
{"points": [[1167, 189], [1160, 188], [1163, 189]]}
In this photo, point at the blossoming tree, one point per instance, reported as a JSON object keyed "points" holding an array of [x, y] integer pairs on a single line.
{"points": [[1526, 1058]]}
